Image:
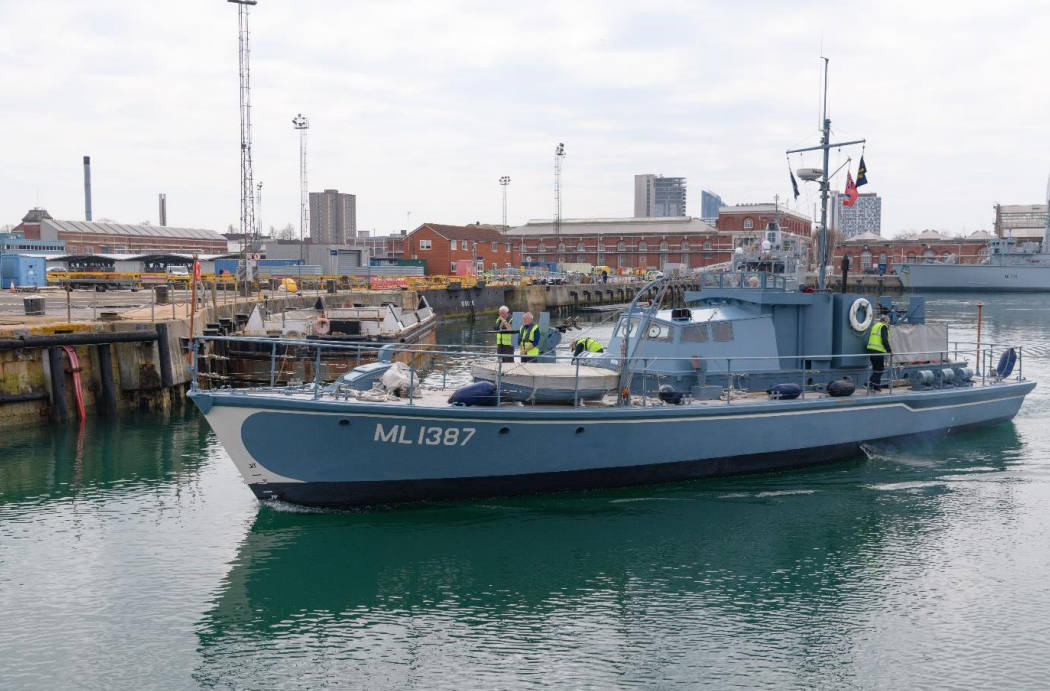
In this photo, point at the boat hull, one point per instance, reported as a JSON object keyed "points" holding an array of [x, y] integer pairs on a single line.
{"points": [[1017, 279], [352, 454]]}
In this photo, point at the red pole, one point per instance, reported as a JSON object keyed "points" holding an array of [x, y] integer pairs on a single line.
{"points": [[978, 360]]}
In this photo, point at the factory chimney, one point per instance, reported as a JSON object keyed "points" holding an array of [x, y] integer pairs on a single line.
{"points": [[87, 188], [163, 215]]}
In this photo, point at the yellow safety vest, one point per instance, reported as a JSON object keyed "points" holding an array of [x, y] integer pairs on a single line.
{"points": [[528, 335], [504, 337], [591, 344], [875, 339]]}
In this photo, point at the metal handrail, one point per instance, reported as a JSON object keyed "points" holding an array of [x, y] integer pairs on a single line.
{"points": [[734, 371]]}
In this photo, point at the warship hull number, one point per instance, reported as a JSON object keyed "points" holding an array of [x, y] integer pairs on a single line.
{"points": [[424, 435]]}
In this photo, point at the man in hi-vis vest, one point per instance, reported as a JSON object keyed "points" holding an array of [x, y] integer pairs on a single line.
{"points": [[529, 335], [504, 336], [878, 349]]}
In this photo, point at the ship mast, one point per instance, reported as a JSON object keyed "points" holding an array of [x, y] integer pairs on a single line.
{"points": [[825, 183]]}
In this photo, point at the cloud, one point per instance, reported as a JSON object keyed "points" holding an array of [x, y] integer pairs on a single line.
{"points": [[421, 106]]}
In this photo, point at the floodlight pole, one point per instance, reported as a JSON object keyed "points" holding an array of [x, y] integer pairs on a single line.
{"points": [[302, 124]]}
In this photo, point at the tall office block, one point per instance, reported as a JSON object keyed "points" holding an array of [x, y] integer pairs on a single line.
{"points": [[657, 196], [865, 216], [333, 217], [709, 205]]}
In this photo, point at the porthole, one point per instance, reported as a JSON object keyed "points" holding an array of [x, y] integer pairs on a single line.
{"points": [[579, 430], [504, 430], [344, 421]]}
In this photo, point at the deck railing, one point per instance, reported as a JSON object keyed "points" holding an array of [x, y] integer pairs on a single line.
{"points": [[426, 360]]}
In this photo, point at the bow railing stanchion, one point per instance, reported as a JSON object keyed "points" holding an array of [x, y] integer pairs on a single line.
{"points": [[576, 385], [1020, 363], [317, 373], [729, 380], [273, 364], [499, 378], [412, 379], [193, 381], [889, 368], [802, 376]]}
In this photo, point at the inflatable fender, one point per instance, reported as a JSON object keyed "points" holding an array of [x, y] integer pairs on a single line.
{"points": [[322, 326], [1006, 364], [840, 387], [854, 321], [669, 394], [478, 393], [784, 392]]}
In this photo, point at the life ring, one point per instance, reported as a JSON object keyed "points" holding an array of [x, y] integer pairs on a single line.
{"points": [[857, 305], [322, 326]]}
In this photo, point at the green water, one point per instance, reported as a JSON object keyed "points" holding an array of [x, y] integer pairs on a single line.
{"points": [[132, 556]]}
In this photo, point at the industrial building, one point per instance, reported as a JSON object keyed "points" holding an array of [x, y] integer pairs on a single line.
{"points": [[443, 247], [658, 197], [21, 271], [333, 217], [754, 218], [624, 244], [1026, 222], [86, 237], [332, 259], [870, 252], [16, 243]]}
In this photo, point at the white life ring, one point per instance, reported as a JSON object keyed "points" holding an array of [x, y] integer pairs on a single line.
{"points": [[868, 314], [322, 326]]}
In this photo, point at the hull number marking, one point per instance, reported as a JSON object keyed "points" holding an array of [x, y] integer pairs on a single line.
{"points": [[424, 435]]}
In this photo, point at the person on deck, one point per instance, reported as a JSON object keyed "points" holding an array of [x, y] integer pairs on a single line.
{"points": [[529, 334], [878, 349], [586, 343], [504, 336]]}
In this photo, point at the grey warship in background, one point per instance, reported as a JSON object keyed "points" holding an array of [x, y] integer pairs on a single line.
{"points": [[1009, 267]]}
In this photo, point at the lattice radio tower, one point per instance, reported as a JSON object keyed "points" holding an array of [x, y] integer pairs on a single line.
{"points": [[248, 229]]}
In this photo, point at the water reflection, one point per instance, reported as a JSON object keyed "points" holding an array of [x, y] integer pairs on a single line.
{"points": [[47, 463], [596, 587]]}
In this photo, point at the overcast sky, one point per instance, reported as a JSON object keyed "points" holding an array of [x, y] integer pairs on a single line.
{"points": [[421, 106]]}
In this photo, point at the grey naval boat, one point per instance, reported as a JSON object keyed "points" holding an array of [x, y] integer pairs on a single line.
{"points": [[748, 376], [1009, 266]]}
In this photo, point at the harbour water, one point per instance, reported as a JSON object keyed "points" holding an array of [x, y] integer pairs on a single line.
{"points": [[132, 556]]}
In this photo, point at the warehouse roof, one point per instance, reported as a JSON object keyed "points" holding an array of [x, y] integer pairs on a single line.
{"points": [[92, 228]]}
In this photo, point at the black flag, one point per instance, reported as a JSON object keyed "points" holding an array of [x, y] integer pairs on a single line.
{"points": [[794, 184], [862, 173]]}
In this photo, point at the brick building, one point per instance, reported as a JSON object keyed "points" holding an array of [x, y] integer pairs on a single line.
{"points": [[624, 244], [440, 246], [741, 218], [86, 237], [868, 251]]}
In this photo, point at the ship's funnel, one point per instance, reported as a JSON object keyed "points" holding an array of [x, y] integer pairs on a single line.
{"points": [[87, 188]]}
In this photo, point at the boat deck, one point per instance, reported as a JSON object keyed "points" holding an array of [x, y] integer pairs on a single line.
{"points": [[438, 398]]}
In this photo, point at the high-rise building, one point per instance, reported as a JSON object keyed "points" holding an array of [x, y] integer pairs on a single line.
{"points": [[333, 217], [657, 196], [865, 216], [709, 204]]}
